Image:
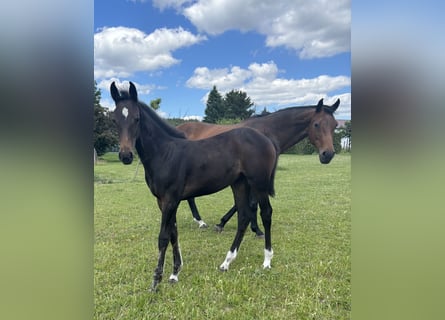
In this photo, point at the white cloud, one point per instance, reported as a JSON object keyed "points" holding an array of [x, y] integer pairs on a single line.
{"points": [[314, 29], [122, 51], [344, 110], [104, 85], [199, 118], [204, 78], [163, 4], [142, 88], [265, 88]]}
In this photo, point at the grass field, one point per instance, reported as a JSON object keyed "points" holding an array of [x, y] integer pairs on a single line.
{"points": [[311, 269]]}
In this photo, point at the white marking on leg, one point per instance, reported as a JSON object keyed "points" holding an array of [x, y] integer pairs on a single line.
{"points": [[125, 112], [201, 223], [173, 278], [180, 256], [267, 258], [229, 258]]}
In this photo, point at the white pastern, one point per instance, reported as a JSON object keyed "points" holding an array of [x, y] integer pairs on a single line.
{"points": [[125, 112], [201, 223], [267, 258], [173, 278], [229, 258]]}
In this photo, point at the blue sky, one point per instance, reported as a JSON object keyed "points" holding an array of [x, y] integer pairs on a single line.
{"points": [[281, 53]]}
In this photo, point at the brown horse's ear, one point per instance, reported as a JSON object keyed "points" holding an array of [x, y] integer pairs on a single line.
{"points": [[319, 105], [335, 105], [114, 92], [133, 92]]}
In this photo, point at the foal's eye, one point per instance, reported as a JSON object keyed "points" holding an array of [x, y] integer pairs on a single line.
{"points": [[316, 125]]}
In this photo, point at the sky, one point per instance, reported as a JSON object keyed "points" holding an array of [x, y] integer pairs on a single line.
{"points": [[281, 53]]}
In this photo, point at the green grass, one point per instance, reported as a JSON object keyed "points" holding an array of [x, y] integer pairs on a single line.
{"points": [[311, 269]]}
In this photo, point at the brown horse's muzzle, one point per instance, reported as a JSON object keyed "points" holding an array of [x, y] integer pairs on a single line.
{"points": [[126, 157], [326, 156]]}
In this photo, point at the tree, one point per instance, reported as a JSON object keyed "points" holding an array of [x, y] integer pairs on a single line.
{"points": [[214, 107], [155, 104], [264, 112], [237, 105], [104, 131]]}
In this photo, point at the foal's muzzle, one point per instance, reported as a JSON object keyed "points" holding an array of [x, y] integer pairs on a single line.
{"points": [[126, 157], [326, 156]]}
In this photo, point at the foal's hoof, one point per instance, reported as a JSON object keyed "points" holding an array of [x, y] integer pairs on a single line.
{"points": [[154, 288], [218, 228], [173, 279], [201, 223]]}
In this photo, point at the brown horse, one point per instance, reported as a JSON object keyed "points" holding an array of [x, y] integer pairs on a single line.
{"points": [[284, 128], [177, 169]]}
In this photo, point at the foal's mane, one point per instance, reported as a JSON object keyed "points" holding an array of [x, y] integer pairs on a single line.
{"points": [[149, 112], [169, 129]]}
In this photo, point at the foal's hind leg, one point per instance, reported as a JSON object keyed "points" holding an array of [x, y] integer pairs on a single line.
{"points": [[241, 194], [266, 217], [177, 257]]}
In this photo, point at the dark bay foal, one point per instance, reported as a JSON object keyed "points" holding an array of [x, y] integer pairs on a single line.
{"points": [[178, 169]]}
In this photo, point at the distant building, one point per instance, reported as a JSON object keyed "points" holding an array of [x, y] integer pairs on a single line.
{"points": [[345, 143]]}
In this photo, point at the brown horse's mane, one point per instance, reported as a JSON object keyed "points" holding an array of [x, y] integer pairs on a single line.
{"points": [[278, 112]]}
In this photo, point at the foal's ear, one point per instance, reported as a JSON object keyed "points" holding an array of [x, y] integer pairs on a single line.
{"points": [[114, 92], [133, 92], [335, 105], [319, 105]]}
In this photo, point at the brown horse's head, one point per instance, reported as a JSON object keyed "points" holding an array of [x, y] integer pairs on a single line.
{"points": [[321, 130], [126, 115]]}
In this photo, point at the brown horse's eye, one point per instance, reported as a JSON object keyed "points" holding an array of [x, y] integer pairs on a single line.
{"points": [[316, 125]]}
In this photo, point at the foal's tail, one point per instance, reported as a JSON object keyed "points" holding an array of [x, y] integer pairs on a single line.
{"points": [[272, 176]]}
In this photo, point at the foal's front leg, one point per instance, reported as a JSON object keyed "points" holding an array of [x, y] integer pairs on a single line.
{"points": [[168, 222]]}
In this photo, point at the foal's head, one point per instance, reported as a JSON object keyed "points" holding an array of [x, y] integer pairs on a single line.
{"points": [[126, 115], [321, 130]]}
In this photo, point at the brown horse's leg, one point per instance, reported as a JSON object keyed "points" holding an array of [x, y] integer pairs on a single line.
{"points": [[168, 209], [195, 213], [241, 194], [266, 217], [254, 220], [253, 223], [220, 226]]}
